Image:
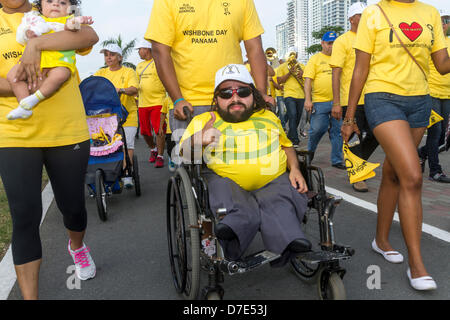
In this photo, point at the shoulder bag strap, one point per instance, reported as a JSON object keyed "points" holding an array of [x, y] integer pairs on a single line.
{"points": [[401, 42]]}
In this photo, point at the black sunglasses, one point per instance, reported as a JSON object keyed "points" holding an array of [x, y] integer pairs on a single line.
{"points": [[445, 20], [242, 92]]}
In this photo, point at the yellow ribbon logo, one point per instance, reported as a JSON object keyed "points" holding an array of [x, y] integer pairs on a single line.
{"points": [[434, 118], [357, 168]]}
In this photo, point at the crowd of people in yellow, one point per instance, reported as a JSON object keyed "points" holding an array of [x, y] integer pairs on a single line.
{"points": [[247, 121]]}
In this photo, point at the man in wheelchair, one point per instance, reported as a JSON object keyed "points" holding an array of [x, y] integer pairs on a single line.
{"points": [[253, 170]]}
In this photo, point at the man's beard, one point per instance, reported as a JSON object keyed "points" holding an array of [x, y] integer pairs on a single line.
{"points": [[234, 118]]}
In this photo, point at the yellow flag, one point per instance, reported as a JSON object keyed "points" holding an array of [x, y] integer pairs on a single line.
{"points": [[357, 168], [434, 118]]}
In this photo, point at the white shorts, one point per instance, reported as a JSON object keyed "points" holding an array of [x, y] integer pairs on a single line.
{"points": [[130, 135]]}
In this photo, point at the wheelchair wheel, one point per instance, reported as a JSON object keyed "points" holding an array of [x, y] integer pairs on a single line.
{"points": [[183, 235], [330, 286], [305, 271], [100, 195], [135, 175]]}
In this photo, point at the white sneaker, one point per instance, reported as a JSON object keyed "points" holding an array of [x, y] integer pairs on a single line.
{"points": [[128, 182], [84, 265]]}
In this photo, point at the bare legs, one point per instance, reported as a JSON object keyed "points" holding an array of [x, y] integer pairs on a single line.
{"points": [[401, 185], [28, 273]]}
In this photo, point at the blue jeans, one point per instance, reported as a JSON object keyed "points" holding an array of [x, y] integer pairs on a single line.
{"points": [[281, 111], [321, 120], [431, 149], [294, 108]]}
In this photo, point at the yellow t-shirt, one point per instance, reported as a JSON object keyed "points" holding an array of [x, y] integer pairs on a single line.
{"points": [[124, 78], [204, 36], [292, 88], [344, 57], [392, 70], [439, 84], [167, 105], [57, 121], [278, 93], [52, 59], [318, 69], [248, 152], [151, 89]]}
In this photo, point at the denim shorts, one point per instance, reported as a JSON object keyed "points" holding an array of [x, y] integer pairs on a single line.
{"points": [[382, 107]]}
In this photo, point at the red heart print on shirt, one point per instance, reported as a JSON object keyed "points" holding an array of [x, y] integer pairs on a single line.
{"points": [[412, 31]]}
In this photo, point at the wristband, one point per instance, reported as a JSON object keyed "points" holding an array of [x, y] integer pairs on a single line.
{"points": [[178, 100], [349, 121]]}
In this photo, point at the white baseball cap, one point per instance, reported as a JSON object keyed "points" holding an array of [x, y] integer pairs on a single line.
{"points": [[356, 8], [112, 48], [444, 13], [237, 72], [143, 44]]}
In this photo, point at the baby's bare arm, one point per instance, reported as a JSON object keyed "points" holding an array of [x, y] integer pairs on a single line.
{"points": [[74, 24]]}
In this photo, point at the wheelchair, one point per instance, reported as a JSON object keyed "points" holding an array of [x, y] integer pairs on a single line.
{"points": [[187, 210]]}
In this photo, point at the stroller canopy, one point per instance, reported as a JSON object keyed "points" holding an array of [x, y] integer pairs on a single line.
{"points": [[100, 96]]}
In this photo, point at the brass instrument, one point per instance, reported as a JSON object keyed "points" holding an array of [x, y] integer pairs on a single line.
{"points": [[272, 57], [294, 68]]}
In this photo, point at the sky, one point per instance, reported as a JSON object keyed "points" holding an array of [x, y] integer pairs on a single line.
{"points": [[130, 19]]}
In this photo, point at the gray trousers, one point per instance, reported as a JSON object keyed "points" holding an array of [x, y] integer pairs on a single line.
{"points": [[276, 210]]}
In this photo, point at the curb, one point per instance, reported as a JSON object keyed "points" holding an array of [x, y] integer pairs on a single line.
{"points": [[7, 272]]}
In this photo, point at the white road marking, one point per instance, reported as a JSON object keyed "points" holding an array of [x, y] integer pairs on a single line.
{"points": [[435, 232], [7, 273]]}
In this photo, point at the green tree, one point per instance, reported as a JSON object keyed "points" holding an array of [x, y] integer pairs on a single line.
{"points": [[126, 49], [319, 34]]}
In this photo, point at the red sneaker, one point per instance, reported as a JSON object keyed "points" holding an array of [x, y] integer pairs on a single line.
{"points": [[153, 155], [159, 162]]}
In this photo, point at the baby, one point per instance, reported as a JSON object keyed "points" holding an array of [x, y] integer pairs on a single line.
{"points": [[57, 66]]}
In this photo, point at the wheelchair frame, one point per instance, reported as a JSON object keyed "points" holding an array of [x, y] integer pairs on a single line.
{"points": [[188, 209]]}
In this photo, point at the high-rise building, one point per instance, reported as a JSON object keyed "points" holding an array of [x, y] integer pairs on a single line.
{"points": [[282, 40], [335, 13], [306, 16], [297, 27], [315, 19]]}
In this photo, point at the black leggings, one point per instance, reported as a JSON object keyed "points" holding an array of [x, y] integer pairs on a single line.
{"points": [[21, 173]]}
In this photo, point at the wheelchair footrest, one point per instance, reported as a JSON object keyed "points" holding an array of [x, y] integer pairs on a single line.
{"points": [[248, 263], [314, 257]]}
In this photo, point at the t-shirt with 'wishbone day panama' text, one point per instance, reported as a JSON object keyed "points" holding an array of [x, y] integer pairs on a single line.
{"points": [[204, 36]]}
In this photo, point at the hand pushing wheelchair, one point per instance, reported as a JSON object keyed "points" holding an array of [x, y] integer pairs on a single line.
{"points": [[187, 210]]}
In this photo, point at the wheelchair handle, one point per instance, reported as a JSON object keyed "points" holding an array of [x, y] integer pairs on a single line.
{"points": [[187, 113]]}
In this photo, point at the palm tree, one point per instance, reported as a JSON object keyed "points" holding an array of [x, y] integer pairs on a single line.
{"points": [[126, 49]]}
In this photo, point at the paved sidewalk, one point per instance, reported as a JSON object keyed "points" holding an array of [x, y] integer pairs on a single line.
{"points": [[435, 195]]}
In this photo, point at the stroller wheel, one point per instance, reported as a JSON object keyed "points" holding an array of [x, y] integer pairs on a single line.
{"points": [[100, 195]]}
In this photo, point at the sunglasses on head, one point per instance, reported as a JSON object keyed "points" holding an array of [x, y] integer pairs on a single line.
{"points": [[242, 92]]}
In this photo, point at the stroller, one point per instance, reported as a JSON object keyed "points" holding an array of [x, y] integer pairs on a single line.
{"points": [[105, 116]]}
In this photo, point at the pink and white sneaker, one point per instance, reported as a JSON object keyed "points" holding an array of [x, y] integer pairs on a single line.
{"points": [[84, 265]]}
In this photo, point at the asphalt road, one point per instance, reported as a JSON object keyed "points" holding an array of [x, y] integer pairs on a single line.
{"points": [[130, 251]]}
